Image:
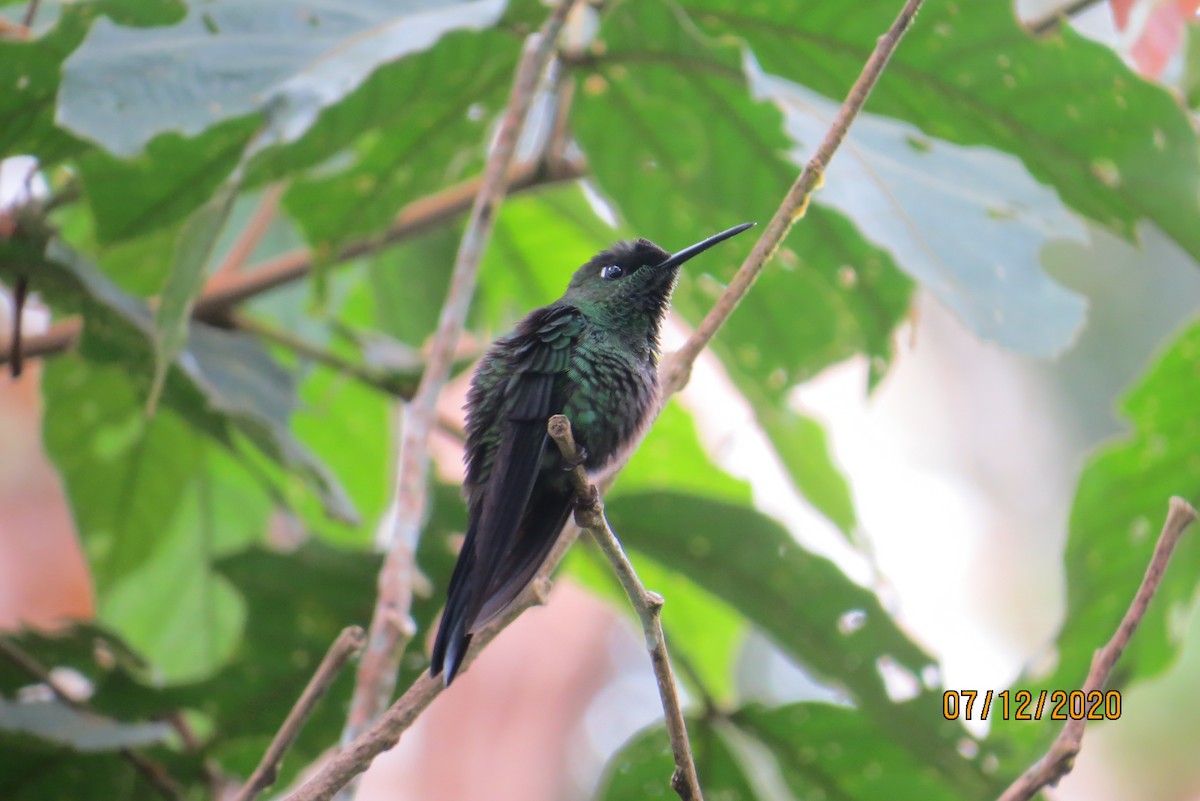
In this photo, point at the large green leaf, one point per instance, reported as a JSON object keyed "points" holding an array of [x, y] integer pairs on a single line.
{"points": [[814, 750], [642, 768], [33, 770], [415, 127], [123, 86], [125, 475], [1115, 147], [189, 269], [969, 224], [29, 71], [223, 382], [154, 503], [286, 634], [804, 450], [833, 752], [162, 185], [799, 600], [1118, 511]]}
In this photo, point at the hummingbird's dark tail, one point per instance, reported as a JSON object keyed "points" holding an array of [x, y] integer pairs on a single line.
{"points": [[479, 592], [453, 637]]}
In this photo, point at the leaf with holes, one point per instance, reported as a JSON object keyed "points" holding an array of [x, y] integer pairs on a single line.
{"points": [[799, 601], [1115, 147]]}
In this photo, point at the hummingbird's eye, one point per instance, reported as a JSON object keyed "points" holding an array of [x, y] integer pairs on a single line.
{"points": [[612, 271]]}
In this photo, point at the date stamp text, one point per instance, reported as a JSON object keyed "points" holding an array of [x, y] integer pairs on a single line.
{"points": [[1025, 705]]}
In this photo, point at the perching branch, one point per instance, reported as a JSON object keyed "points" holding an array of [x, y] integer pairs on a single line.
{"points": [[391, 627], [150, 769], [589, 516], [1060, 759], [677, 369], [385, 731], [345, 646]]}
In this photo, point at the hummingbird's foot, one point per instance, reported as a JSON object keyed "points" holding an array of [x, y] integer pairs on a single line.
{"points": [[589, 497], [579, 458], [587, 507]]}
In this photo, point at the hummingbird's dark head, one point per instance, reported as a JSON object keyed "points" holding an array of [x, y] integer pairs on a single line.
{"points": [[632, 281]]}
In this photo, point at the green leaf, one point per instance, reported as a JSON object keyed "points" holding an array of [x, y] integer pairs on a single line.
{"points": [[671, 458], [969, 224], [347, 426], [195, 247], [722, 160], [55, 722], [541, 238], [643, 767], [703, 633], [408, 283], [154, 503], [1191, 69], [800, 601], [164, 184], [1118, 512], [123, 86], [804, 450], [416, 126], [223, 382], [834, 751], [1120, 505], [286, 634], [32, 770], [175, 609], [29, 73], [1116, 147], [125, 475]]}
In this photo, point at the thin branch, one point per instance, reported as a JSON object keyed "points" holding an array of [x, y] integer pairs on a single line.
{"points": [[254, 231], [589, 516], [345, 646], [391, 627], [385, 731], [31, 11], [1060, 759], [20, 293], [401, 385], [678, 368], [1054, 19], [152, 770], [226, 290]]}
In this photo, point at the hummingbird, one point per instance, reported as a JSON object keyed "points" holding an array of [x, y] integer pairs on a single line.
{"points": [[592, 355]]}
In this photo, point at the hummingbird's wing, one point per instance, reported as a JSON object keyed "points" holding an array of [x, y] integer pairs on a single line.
{"points": [[513, 538], [513, 522]]}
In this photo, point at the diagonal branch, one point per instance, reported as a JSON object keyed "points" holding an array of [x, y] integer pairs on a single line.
{"points": [[345, 646], [589, 516], [391, 627], [225, 290], [1060, 759], [677, 369], [385, 731]]}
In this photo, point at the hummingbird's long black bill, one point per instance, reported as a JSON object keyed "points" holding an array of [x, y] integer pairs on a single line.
{"points": [[698, 248]]}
